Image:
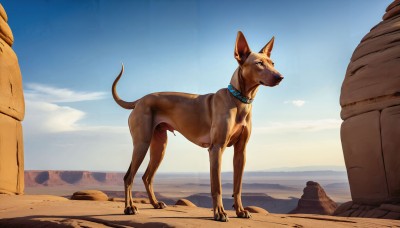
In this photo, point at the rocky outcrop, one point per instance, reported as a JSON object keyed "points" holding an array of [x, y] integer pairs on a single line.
{"points": [[90, 195], [370, 101], [12, 110], [185, 202], [314, 201], [257, 210], [385, 211]]}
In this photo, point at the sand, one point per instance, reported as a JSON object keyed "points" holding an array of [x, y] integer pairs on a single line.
{"points": [[53, 211]]}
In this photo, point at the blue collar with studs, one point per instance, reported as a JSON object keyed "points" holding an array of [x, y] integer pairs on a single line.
{"points": [[238, 95]]}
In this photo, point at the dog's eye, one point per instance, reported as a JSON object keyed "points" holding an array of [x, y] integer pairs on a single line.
{"points": [[260, 63]]}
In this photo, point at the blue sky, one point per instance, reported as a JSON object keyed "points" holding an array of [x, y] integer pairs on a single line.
{"points": [[70, 52]]}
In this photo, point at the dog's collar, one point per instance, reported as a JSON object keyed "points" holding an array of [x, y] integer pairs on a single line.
{"points": [[238, 95]]}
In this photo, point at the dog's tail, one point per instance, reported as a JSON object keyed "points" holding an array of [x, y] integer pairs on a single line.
{"points": [[120, 102]]}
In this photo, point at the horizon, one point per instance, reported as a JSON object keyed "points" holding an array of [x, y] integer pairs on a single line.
{"points": [[275, 170], [70, 53]]}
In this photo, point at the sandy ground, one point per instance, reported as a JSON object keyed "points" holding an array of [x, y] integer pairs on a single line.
{"points": [[53, 211]]}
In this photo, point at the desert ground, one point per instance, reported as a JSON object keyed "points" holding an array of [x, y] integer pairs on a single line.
{"points": [[54, 211], [47, 203]]}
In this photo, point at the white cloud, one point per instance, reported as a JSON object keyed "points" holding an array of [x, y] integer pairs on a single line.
{"points": [[47, 117], [300, 126], [297, 103], [44, 93], [44, 116]]}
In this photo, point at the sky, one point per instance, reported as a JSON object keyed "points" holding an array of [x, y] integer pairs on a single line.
{"points": [[71, 51]]}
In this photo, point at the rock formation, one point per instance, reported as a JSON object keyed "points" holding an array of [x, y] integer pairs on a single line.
{"points": [[314, 201], [258, 210], [12, 111], [90, 195], [370, 100], [185, 202]]}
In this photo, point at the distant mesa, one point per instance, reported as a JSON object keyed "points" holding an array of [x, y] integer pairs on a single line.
{"points": [[315, 201], [90, 195], [258, 210], [80, 178], [185, 202]]}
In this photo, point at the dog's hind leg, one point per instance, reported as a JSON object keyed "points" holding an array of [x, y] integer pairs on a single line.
{"points": [[139, 152], [157, 150]]}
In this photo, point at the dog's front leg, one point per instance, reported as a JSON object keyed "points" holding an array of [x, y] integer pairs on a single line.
{"points": [[215, 152], [239, 160]]}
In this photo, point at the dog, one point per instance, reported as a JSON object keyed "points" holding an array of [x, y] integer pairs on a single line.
{"points": [[214, 121]]}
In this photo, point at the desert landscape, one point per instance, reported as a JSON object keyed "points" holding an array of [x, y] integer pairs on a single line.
{"points": [[306, 168]]}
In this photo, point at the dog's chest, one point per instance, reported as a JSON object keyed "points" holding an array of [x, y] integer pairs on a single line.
{"points": [[240, 124], [242, 115]]}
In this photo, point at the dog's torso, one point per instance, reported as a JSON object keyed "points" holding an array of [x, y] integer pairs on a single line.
{"points": [[195, 116]]}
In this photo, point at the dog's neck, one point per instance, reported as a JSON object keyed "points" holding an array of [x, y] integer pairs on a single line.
{"points": [[246, 88]]}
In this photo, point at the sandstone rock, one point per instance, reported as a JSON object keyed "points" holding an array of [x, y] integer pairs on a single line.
{"points": [[140, 200], [390, 134], [90, 195], [11, 91], [370, 100], [361, 145], [386, 211], [392, 215], [356, 213], [5, 32], [369, 214], [378, 213], [391, 13], [314, 201], [390, 207], [347, 213], [11, 156], [258, 210], [343, 207], [12, 110], [3, 13], [392, 5], [185, 202], [372, 77]]}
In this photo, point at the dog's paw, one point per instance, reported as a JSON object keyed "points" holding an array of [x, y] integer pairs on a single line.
{"points": [[243, 214], [221, 216], [160, 205], [131, 210]]}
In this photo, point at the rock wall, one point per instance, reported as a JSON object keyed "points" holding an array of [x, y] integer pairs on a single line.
{"points": [[12, 110], [370, 101]]}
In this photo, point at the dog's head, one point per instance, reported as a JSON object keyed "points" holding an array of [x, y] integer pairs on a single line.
{"points": [[256, 67]]}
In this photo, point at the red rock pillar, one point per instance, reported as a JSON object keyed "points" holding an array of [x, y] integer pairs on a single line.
{"points": [[370, 101], [12, 111]]}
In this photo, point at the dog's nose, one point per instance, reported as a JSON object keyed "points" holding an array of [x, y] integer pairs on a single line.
{"points": [[278, 77]]}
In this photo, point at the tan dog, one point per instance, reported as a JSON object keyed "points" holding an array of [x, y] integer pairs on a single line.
{"points": [[213, 121]]}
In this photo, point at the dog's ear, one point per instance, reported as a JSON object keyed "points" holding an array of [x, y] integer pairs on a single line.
{"points": [[268, 47], [242, 49]]}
